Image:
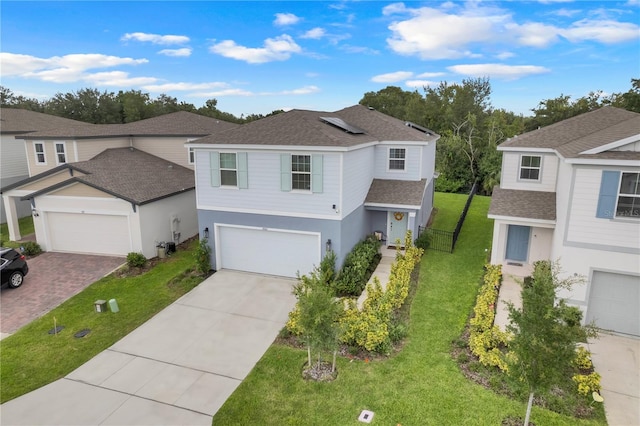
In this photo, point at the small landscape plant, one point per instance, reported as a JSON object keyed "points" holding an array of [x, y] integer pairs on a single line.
{"points": [[424, 240], [202, 254], [357, 268], [136, 260], [31, 248]]}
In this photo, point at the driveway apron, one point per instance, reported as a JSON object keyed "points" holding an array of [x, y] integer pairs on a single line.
{"points": [[177, 368], [52, 279]]}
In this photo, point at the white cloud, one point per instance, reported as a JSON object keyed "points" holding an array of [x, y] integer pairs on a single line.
{"points": [[275, 49], [430, 74], [182, 86], [314, 33], [359, 49], [534, 34], [221, 93], [392, 77], [420, 83], [156, 38], [505, 55], [306, 90], [394, 8], [500, 71], [185, 51], [633, 3], [117, 79], [283, 19], [603, 31], [568, 13], [60, 69]]}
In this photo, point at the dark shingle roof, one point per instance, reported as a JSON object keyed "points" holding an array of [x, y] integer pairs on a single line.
{"points": [[587, 131], [181, 123], [306, 128], [17, 121], [396, 192], [525, 204], [130, 174]]}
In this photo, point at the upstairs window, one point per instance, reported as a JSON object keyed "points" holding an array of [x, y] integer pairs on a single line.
{"points": [[301, 172], [530, 167], [397, 158], [61, 154], [192, 156], [38, 147], [629, 196], [228, 169]]}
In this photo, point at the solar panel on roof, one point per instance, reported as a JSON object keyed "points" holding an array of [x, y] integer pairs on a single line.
{"points": [[340, 123], [418, 127]]}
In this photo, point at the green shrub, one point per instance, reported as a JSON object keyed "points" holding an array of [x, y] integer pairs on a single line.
{"points": [[424, 240], [328, 268], [357, 268], [136, 260], [30, 248], [202, 254]]}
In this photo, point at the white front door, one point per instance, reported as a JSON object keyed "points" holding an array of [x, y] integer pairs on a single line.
{"points": [[397, 223]]}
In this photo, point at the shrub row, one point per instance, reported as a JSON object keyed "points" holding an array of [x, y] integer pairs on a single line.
{"points": [[589, 382], [485, 338], [370, 326], [357, 268]]}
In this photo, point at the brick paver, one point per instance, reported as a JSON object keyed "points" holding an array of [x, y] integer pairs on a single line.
{"points": [[52, 279]]}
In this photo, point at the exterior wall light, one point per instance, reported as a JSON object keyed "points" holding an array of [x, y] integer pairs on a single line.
{"points": [[328, 245], [205, 233]]}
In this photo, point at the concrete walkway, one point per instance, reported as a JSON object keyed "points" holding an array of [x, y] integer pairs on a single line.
{"points": [[382, 271], [176, 369], [615, 358]]}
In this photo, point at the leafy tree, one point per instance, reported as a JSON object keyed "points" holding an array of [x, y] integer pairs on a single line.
{"points": [[545, 332], [210, 109], [629, 100], [10, 100], [88, 105], [319, 312], [134, 105], [397, 103]]}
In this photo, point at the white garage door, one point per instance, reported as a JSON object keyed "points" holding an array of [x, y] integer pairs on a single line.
{"points": [[267, 251], [614, 302], [89, 233]]}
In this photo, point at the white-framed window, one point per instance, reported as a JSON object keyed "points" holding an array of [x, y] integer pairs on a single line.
{"points": [[530, 167], [228, 169], [61, 153], [628, 203], [397, 158], [301, 172], [192, 155], [38, 148]]}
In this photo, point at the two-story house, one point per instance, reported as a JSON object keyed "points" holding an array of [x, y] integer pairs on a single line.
{"points": [[571, 192], [14, 166], [275, 194], [112, 189]]}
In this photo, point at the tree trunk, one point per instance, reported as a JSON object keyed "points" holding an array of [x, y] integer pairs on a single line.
{"points": [[526, 418], [309, 356], [333, 366]]}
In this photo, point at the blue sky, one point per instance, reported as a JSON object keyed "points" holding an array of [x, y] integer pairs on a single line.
{"points": [[256, 57]]}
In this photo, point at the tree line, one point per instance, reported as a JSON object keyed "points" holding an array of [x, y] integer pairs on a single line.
{"points": [[470, 127]]}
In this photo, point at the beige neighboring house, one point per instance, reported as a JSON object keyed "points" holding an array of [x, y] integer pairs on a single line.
{"points": [[91, 187], [14, 166], [571, 192]]}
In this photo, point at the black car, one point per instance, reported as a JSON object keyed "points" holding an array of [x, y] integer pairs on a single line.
{"points": [[14, 267]]}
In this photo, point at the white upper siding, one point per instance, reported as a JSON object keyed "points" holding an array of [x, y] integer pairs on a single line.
{"points": [[412, 162], [584, 227], [264, 194], [510, 177], [13, 158], [358, 170], [428, 160]]}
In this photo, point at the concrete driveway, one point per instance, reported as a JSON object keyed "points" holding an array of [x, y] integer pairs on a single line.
{"points": [[176, 369], [617, 360], [52, 279]]}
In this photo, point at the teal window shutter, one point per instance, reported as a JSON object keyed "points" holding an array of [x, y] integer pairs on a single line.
{"points": [[608, 194], [214, 163], [243, 171], [316, 173], [285, 172]]}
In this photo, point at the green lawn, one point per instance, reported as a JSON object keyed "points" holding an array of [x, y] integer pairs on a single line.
{"points": [[449, 208], [26, 227], [32, 358], [422, 385]]}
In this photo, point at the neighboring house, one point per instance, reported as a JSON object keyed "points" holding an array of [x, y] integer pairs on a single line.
{"points": [[571, 192], [123, 200], [162, 136], [274, 194], [13, 157]]}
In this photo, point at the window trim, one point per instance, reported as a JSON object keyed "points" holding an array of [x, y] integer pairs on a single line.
{"points": [[44, 153], [404, 160], [620, 194], [309, 173], [64, 152], [521, 167], [221, 169]]}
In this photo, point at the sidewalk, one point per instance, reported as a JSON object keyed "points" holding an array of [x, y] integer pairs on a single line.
{"points": [[382, 271]]}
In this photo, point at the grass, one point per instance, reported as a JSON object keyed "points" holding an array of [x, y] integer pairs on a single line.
{"points": [[449, 209], [32, 358], [26, 228], [421, 385]]}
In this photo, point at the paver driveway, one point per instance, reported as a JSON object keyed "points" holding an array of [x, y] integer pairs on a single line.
{"points": [[52, 279]]}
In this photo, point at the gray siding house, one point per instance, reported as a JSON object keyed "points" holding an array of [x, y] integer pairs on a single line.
{"points": [[273, 195]]}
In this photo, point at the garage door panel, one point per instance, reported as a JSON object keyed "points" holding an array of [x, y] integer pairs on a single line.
{"points": [[89, 233], [267, 251], [614, 302]]}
